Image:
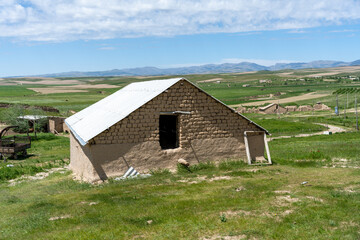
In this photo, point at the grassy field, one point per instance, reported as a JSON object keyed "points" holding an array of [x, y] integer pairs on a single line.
{"points": [[209, 202], [47, 151]]}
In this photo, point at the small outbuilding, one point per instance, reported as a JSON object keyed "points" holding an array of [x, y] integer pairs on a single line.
{"points": [[150, 125], [272, 108], [321, 107], [305, 108], [291, 108]]}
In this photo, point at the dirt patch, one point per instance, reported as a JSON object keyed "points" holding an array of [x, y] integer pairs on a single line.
{"points": [[278, 216], [187, 181], [218, 237], [285, 200], [54, 90], [286, 73], [88, 86], [38, 176], [342, 163], [237, 213], [282, 192], [203, 178], [352, 189], [210, 80], [219, 178], [89, 203], [72, 89], [306, 96], [349, 224], [52, 81], [333, 71], [239, 189], [252, 170], [60, 217], [315, 199]]}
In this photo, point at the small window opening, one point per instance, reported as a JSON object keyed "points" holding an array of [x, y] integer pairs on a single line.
{"points": [[169, 136]]}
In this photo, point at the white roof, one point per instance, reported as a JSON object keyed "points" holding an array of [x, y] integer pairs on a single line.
{"points": [[267, 106], [98, 117], [32, 117]]}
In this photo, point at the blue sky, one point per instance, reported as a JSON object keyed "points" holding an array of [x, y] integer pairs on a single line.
{"points": [[38, 37]]}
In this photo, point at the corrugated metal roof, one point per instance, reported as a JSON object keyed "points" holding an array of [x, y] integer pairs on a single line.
{"points": [[98, 117], [103, 114], [267, 106], [32, 117]]}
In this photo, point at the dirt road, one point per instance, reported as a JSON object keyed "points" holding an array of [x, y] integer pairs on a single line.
{"points": [[305, 96], [331, 128]]}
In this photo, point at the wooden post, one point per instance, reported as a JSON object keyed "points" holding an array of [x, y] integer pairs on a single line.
{"points": [[344, 111], [267, 149], [337, 105], [356, 113], [247, 148]]}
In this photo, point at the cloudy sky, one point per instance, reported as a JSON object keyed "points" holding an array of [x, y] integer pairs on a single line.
{"points": [[42, 36]]}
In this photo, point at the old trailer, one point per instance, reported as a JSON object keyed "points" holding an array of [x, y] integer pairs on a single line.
{"points": [[11, 146]]}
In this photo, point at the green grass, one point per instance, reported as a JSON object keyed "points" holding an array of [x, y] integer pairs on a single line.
{"points": [[181, 210], [47, 151], [317, 150], [205, 200], [14, 91], [287, 126]]}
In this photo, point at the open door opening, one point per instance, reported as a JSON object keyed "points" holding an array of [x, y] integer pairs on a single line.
{"points": [[256, 144], [168, 127]]}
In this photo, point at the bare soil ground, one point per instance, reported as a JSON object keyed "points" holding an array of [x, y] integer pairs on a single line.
{"points": [[315, 72], [337, 70], [50, 82], [331, 128], [305, 96], [71, 89], [210, 80], [52, 90], [286, 73]]}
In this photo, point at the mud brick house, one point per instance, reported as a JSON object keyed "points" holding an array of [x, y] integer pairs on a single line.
{"points": [[272, 108], [152, 124]]}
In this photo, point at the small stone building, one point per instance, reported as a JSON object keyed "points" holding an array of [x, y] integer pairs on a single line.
{"points": [[56, 124], [321, 107], [305, 108], [152, 124], [291, 108], [272, 108]]}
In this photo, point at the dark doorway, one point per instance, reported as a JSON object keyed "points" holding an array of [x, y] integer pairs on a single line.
{"points": [[169, 137]]}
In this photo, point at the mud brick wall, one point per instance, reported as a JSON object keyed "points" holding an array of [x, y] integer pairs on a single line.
{"points": [[209, 119]]}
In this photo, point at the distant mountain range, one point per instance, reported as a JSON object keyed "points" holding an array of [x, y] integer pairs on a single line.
{"points": [[203, 69]]}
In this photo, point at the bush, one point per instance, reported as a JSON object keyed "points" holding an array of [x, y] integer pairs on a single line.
{"points": [[11, 116]]}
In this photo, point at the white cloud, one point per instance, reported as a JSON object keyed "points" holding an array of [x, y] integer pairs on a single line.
{"points": [[62, 20], [297, 31], [107, 48]]}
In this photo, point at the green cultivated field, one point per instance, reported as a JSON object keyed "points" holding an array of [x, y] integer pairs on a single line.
{"points": [[230, 200]]}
